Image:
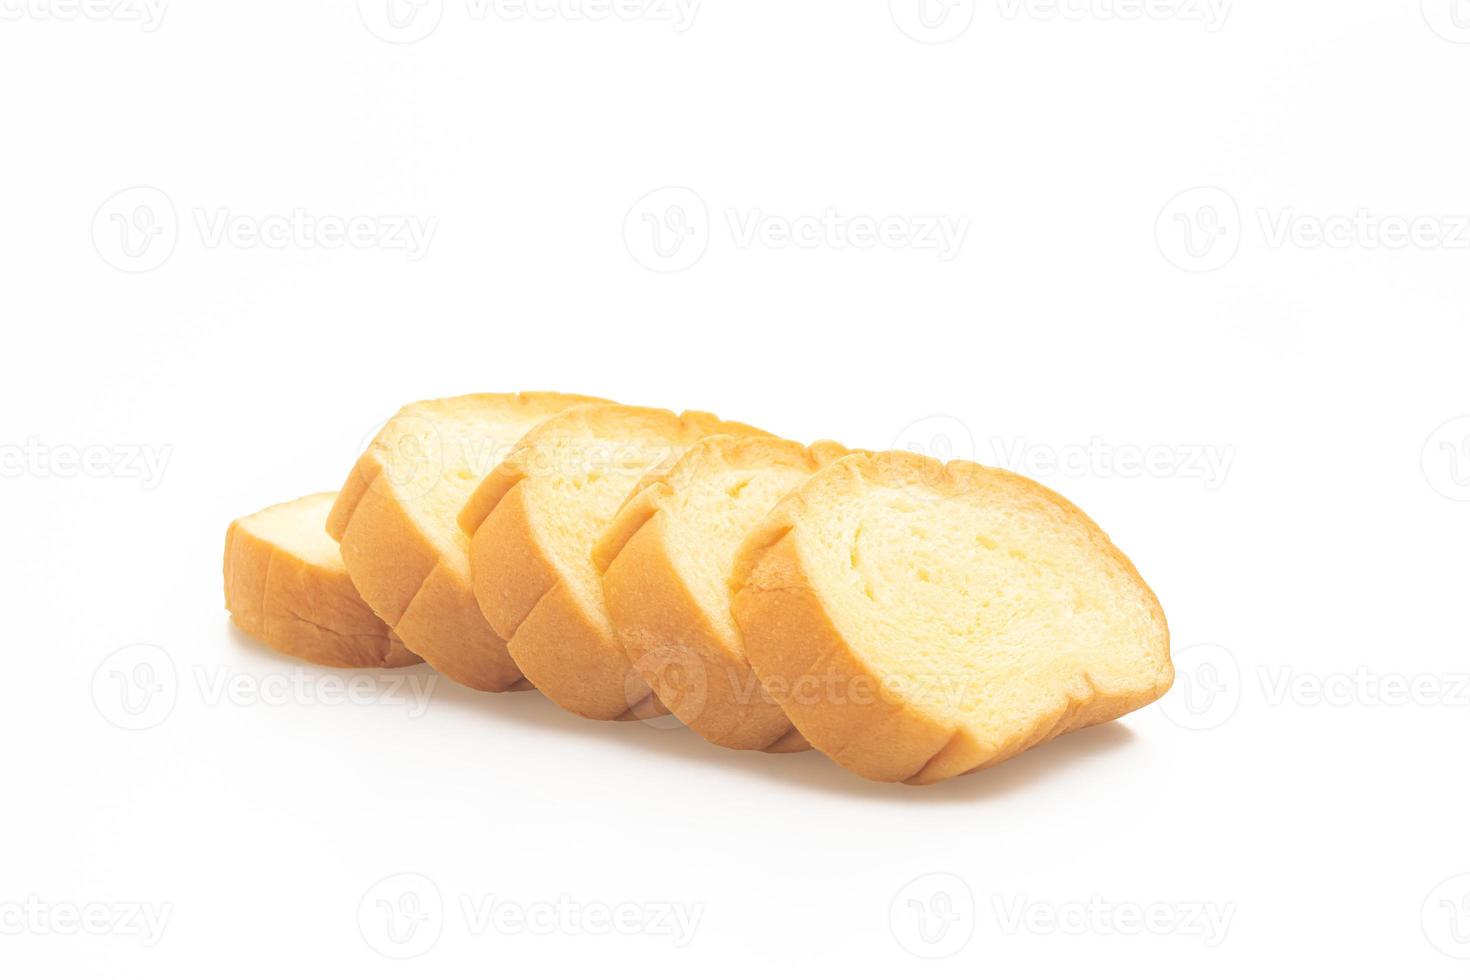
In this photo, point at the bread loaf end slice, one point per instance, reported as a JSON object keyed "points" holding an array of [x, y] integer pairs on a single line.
{"points": [[286, 585], [925, 620]]}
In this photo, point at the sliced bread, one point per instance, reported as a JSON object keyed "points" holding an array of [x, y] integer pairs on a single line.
{"points": [[285, 585], [396, 521], [667, 560], [919, 620], [535, 521]]}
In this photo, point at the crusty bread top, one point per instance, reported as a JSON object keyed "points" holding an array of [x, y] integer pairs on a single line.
{"points": [[299, 528], [577, 467], [432, 455], [710, 499], [971, 593]]}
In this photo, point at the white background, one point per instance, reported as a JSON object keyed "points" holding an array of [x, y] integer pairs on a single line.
{"points": [[1288, 786]]}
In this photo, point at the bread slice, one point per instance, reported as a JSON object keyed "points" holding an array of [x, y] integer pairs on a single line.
{"points": [[919, 621], [667, 560], [535, 520], [396, 521], [285, 585]]}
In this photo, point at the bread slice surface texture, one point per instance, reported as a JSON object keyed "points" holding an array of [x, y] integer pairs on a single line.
{"points": [[667, 560], [396, 520], [919, 620], [535, 521], [286, 585]]}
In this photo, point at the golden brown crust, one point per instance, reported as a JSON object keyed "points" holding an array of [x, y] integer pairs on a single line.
{"points": [[639, 509], [398, 572], [562, 640], [822, 683], [302, 608], [677, 651], [847, 710], [669, 634], [402, 568]]}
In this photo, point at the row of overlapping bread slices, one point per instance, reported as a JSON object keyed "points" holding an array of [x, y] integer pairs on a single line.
{"points": [[911, 619]]}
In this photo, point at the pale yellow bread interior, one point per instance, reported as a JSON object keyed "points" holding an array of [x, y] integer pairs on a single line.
{"points": [[919, 620], [396, 520], [535, 521], [285, 585], [667, 559]]}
